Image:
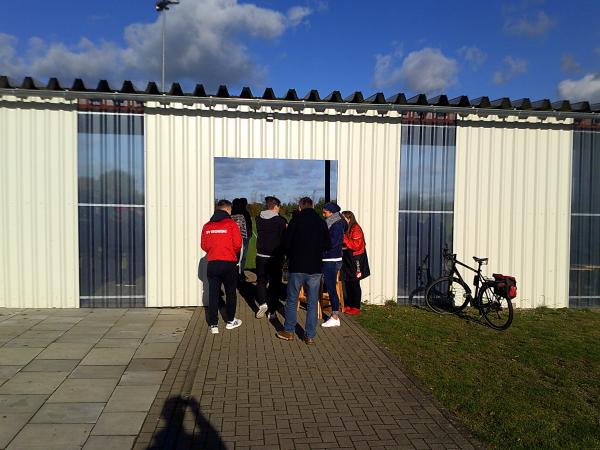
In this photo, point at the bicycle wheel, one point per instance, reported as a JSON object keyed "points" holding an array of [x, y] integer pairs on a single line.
{"points": [[447, 295], [496, 310]]}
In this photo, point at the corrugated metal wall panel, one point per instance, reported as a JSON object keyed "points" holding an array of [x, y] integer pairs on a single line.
{"points": [[181, 145], [38, 195], [512, 203]]}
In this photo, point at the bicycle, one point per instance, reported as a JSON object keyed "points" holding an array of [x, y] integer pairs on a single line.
{"points": [[450, 294], [422, 281]]}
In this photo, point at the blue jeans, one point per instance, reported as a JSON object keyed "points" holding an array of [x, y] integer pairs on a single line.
{"points": [[295, 282], [330, 271]]}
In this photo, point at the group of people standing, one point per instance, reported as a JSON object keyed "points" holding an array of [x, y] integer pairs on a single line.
{"points": [[315, 249]]}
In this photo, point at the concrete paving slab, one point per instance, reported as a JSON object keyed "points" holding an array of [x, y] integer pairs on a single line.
{"points": [[127, 334], [33, 383], [9, 371], [113, 372], [62, 350], [41, 334], [109, 443], [156, 350], [118, 343], [51, 365], [53, 326], [10, 425], [79, 338], [108, 357], [17, 356], [139, 378], [148, 364], [131, 398], [88, 390], [68, 413], [12, 403], [119, 423], [18, 342], [74, 312], [51, 437]]}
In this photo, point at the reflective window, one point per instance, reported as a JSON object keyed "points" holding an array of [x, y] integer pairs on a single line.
{"points": [[111, 210], [427, 155], [584, 279]]}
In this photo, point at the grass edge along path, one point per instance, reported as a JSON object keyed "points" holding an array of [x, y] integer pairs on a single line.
{"points": [[536, 385]]}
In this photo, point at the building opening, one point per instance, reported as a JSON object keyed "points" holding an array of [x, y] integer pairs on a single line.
{"points": [[289, 180]]}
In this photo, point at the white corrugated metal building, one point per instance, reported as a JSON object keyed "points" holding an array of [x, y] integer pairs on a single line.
{"points": [[104, 192]]}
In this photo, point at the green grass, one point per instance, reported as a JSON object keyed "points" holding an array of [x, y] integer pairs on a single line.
{"points": [[536, 385], [251, 256]]}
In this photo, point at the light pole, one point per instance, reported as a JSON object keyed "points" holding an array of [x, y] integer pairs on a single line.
{"points": [[162, 6]]}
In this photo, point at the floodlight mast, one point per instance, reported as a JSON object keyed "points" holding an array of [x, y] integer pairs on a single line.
{"points": [[162, 6]]}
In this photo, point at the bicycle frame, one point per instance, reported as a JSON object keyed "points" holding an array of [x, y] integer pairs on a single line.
{"points": [[478, 277]]}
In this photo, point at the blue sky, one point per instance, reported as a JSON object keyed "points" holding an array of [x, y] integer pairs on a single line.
{"points": [[287, 179], [523, 48]]}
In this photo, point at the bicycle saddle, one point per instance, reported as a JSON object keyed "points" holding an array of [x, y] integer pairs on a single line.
{"points": [[480, 260]]}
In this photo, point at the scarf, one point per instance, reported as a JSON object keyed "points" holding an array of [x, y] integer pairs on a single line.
{"points": [[333, 219]]}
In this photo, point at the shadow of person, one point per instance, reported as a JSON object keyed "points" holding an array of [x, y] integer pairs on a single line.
{"points": [[174, 436], [202, 267], [249, 293]]}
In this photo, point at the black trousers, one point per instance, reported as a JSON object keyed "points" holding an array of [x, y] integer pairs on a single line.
{"points": [[221, 272], [269, 272], [353, 294]]}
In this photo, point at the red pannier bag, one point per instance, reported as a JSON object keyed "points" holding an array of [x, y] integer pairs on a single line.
{"points": [[506, 286]]}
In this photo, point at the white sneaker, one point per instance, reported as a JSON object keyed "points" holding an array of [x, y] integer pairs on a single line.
{"points": [[233, 324], [214, 329], [262, 309], [331, 323]]}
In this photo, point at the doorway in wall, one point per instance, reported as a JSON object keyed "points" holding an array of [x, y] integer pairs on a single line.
{"points": [[287, 179]]}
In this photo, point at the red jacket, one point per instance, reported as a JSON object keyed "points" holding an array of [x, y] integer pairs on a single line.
{"points": [[221, 238], [354, 239]]}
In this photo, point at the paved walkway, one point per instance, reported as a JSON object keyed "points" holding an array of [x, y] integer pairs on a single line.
{"points": [[73, 378], [104, 379], [245, 388]]}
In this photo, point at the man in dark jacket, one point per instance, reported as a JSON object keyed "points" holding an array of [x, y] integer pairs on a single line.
{"points": [[244, 208], [332, 259], [305, 240], [222, 241], [270, 227]]}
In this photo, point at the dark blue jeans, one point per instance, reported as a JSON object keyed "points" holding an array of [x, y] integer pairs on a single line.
{"points": [[330, 271], [295, 282]]}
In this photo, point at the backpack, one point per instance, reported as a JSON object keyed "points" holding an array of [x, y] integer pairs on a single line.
{"points": [[506, 286]]}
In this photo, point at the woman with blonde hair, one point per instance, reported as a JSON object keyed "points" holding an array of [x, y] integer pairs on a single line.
{"points": [[355, 264]]}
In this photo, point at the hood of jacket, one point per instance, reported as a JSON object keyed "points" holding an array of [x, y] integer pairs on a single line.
{"points": [[268, 214], [219, 215]]}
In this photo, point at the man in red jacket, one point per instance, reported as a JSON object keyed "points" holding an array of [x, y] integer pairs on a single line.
{"points": [[222, 242]]}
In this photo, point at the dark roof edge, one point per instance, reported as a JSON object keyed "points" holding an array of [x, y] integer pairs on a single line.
{"points": [[480, 109]]}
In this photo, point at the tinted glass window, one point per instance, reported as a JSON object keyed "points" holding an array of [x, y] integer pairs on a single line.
{"points": [[584, 280], [427, 155], [111, 210]]}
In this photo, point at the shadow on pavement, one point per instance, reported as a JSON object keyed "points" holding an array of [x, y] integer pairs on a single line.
{"points": [[175, 436]]}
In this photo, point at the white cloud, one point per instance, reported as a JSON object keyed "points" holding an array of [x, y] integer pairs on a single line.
{"points": [[526, 25], [513, 67], [473, 56], [297, 14], [585, 88], [205, 42], [569, 65], [427, 70]]}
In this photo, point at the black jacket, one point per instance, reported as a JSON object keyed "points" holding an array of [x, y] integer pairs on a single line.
{"points": [[304, 241], [246, 215], [270, 232]]}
